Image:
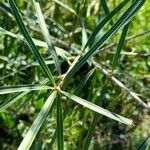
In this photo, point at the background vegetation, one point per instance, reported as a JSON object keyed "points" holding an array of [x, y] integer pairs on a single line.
{"points": [[116, 78]]}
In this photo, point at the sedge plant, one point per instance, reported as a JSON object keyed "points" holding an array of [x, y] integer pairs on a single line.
{"points": [[59, 74]]}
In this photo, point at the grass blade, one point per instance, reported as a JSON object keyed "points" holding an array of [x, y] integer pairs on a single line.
{"points": [[60, 140], [78, 90], [120, 45], [46, 35], [31, 134], [84, 33], [30, 42], [61, 52], [124, 19], [145, 145], [100, 100], [5, 8], [11, 100], [16, 97], [98, 109], [22, 88], [105, 7], [104, 21], [65, 6]]}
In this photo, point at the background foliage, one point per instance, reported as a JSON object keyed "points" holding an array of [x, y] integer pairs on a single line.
{"points": [[70, 23]]}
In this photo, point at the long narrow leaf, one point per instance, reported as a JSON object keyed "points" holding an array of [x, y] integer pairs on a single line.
{"points": [[120, 45], [106, 9], [145, 145], [100, 101], [30, 42], [65, 6], [46, 35], [22, 88], [31, 134], [98, 109], [124, 19], [12, 100], [84, 33], [69, 105], [17, 96], [60, 141], [61, 52], [104, 21]]}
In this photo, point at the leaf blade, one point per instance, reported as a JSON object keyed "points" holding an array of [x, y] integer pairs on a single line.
{"points": [[31, 134], [120, 46], [60, 140], [100, 100], [11, 100], [30, 42], [65, 6], [106, 9], [123, 20], [46, 35], [22, 88], [104, 21], [98, 109], [145, 144]]}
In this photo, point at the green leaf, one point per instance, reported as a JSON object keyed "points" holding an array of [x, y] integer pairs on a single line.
{"points": [[120, 45], [104, 21], [11, 100], [65, 6], [60, 140], [30, 42], [98, 109], [5, 8], [61, 52], [145, 145], [84, 33], [22, 88], [100, 100], [68, 107], [124, 19], [46, 35], [31, 134], [78, 90], [105, 7], [19, 95]]}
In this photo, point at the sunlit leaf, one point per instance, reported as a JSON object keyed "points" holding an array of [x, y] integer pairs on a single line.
{"points": [[30, 42], [31, 134], [98, 109]]}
